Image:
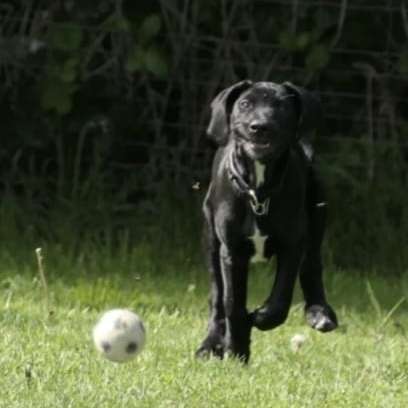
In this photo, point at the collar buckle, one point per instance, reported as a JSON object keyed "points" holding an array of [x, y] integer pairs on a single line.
{"points": [[257, 207]]}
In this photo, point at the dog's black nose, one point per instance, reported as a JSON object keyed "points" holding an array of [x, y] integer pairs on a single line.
{"points": [[257, 126]]}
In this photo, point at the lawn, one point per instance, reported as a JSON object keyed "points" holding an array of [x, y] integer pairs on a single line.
{"points": [[47, 357]]}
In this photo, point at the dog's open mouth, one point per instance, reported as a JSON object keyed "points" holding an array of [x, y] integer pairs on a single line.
{"points": [[259, 144], [258, 148]]}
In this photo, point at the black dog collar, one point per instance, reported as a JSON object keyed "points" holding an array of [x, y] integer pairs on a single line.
{"points": [[259, 198]]}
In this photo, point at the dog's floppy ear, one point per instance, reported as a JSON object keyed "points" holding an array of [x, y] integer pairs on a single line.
{"points": [[310, 109], [221, 106]]}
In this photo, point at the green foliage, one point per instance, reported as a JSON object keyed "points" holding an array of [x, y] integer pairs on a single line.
{"points": [[116, 23], [150, 59], [294, 41], [149, 29], [368, 219], [58, 86], [68, 73], [317, 58], [403, 63], [56, 94], [65, 37], [146, 55]]}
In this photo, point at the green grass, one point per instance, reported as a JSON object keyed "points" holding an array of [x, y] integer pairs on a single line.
{"points": [[47, 358]]}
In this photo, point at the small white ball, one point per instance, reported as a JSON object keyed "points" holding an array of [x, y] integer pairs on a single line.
{"points": [[297, 341], [119, 335]]}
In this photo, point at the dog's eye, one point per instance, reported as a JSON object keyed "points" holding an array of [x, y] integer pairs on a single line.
{"points": [[244, 104]]}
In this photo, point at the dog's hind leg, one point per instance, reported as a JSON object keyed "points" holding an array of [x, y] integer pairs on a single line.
{"points": [[319, 313], [213, 344]]}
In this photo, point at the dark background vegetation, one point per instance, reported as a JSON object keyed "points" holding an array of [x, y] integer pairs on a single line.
{"points": [[104, 104]]}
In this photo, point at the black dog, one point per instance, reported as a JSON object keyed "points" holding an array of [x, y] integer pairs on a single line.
{"points": [[264, 199]]}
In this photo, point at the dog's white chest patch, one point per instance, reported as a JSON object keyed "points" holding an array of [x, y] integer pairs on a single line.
{"points": [[258, 241], [259, 173]]}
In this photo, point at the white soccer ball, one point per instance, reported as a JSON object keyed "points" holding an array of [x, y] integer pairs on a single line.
{"points": [[119, 335]]}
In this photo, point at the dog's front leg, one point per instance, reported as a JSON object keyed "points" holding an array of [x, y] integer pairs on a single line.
{"points": [[275, 309], [234, 267], [213, 344]]}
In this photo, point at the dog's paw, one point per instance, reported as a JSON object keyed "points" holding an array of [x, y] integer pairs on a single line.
{"points": [[211, 346], [321, 317], [238, 349], [267, 318], [239, 355]]}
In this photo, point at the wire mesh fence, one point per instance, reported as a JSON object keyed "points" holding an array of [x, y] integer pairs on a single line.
{"points": [[354, 53]]}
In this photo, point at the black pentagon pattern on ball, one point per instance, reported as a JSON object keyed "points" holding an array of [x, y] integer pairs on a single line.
{"points": [[106, 346], [131, 348]]}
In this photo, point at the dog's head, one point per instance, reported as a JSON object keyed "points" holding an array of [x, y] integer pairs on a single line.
{"points": [[264, 117]]}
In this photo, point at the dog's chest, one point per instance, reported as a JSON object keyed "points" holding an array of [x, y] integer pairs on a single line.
{"points": [[259, 242], [256, 237]]}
